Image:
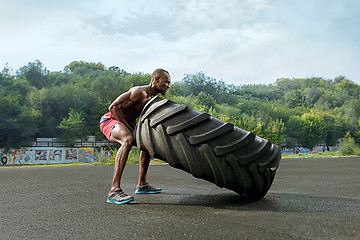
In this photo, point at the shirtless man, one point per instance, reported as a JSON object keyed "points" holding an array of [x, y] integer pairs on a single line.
{"points": [[118, 127]]}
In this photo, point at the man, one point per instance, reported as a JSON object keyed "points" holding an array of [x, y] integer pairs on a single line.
{"points": [[118, 126]]}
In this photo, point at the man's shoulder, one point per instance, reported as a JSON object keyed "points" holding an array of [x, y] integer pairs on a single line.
{"points": [[137, 93], [138, 89]]}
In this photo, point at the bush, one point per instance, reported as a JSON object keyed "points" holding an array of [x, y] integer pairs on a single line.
{"points": [[134, 155], [108, 156], [105, 156], [348, 146]]}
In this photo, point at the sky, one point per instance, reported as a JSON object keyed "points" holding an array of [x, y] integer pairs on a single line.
{"points": [[237, 41]]}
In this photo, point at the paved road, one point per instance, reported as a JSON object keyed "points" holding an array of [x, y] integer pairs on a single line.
{"points": [[309, 199]]}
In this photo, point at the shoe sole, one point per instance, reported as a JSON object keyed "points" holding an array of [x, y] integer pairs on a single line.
{"points": [[147, 192], [121, 202]]}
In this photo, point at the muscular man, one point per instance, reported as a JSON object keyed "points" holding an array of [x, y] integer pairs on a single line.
{"points": [[118, 126]]}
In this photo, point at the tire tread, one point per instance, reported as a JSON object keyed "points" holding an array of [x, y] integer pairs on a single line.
{"points": [[208, 148]]}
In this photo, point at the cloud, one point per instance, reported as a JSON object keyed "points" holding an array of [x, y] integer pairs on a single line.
{"points": [[176, 20], [190, 36], [239, 41]]}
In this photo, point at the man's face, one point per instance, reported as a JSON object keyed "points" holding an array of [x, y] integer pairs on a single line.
{"points": [[163, 83]]}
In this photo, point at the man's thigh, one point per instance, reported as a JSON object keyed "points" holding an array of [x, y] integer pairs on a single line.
{"points": [[120, 134]]}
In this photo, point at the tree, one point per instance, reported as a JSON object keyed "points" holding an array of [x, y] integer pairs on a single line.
{"points": [[196, 83], [81, 67], [333, 129], [315, 128], [37, 103], [312, 95], [351, 89], [18, 123], [72, 127], [55, 103], [250, 123], [275, 132], [287, 84], [35, 73], [294, 98], [357, 134], [206, 100]]}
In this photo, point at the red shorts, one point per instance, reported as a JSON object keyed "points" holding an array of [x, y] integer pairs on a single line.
{"points": [[107, 123]]}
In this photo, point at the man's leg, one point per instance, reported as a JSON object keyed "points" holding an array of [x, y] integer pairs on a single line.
{"points": [[143, 186], [121, 135], [144, 161]]}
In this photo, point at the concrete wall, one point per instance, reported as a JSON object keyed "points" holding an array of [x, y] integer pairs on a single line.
{"points": [[316, 149], [48, 155]]}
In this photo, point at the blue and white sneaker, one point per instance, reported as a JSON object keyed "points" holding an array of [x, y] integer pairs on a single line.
{"points": [[119, 197], [147, 189]]}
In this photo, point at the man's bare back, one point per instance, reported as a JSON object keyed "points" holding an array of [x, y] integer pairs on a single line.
{"points": [[128, 106]]}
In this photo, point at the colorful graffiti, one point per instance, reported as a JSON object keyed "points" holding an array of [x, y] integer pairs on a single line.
{"points": [[14, 156], [47, 155], [25, 155], [86, 154], [55, 155], [71, 154], [19, 156], [41, 155]]}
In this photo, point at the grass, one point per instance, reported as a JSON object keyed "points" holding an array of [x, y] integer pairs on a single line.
{"points": [[47, 165], [104, 158], [313, 155]]}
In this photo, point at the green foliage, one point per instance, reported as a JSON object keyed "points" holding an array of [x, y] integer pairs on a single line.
{"points": [[314, 126], [72, 127], [272, 130], [348, 146], [133, 156], [105, 156], [348, 87], [195, 84], [312, 95], [108, 157], [18, 123], [35, 73], [294, 98], [296, 112], [206, 99], [82, 68], [275, 132], [327, 154]]}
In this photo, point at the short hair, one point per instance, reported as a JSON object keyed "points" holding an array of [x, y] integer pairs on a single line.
{"points": [[158, 72]]}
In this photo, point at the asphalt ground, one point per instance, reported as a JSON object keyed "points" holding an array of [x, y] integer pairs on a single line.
{"points": [[309, 199]]}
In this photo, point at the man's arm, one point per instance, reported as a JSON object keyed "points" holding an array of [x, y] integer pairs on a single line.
{"points": [[126, 101]]}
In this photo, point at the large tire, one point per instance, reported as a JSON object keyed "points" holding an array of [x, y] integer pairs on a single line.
{"points": [[207, 147]]}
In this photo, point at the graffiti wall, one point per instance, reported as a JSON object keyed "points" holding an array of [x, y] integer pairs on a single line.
{"points": [[86, 154], [47, 155]]}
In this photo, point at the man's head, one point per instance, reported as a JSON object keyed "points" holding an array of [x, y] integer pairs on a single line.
{"points": [[161, 80]]}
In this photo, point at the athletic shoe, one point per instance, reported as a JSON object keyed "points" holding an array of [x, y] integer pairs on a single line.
{"points": [[147, 189], [119, 197]]}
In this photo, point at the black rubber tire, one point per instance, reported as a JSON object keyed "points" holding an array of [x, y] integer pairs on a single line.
{"points": [[4, 160], [207, 147]]}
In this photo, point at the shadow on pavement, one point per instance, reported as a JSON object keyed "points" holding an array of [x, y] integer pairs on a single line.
{"points": [[273, 202]]}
